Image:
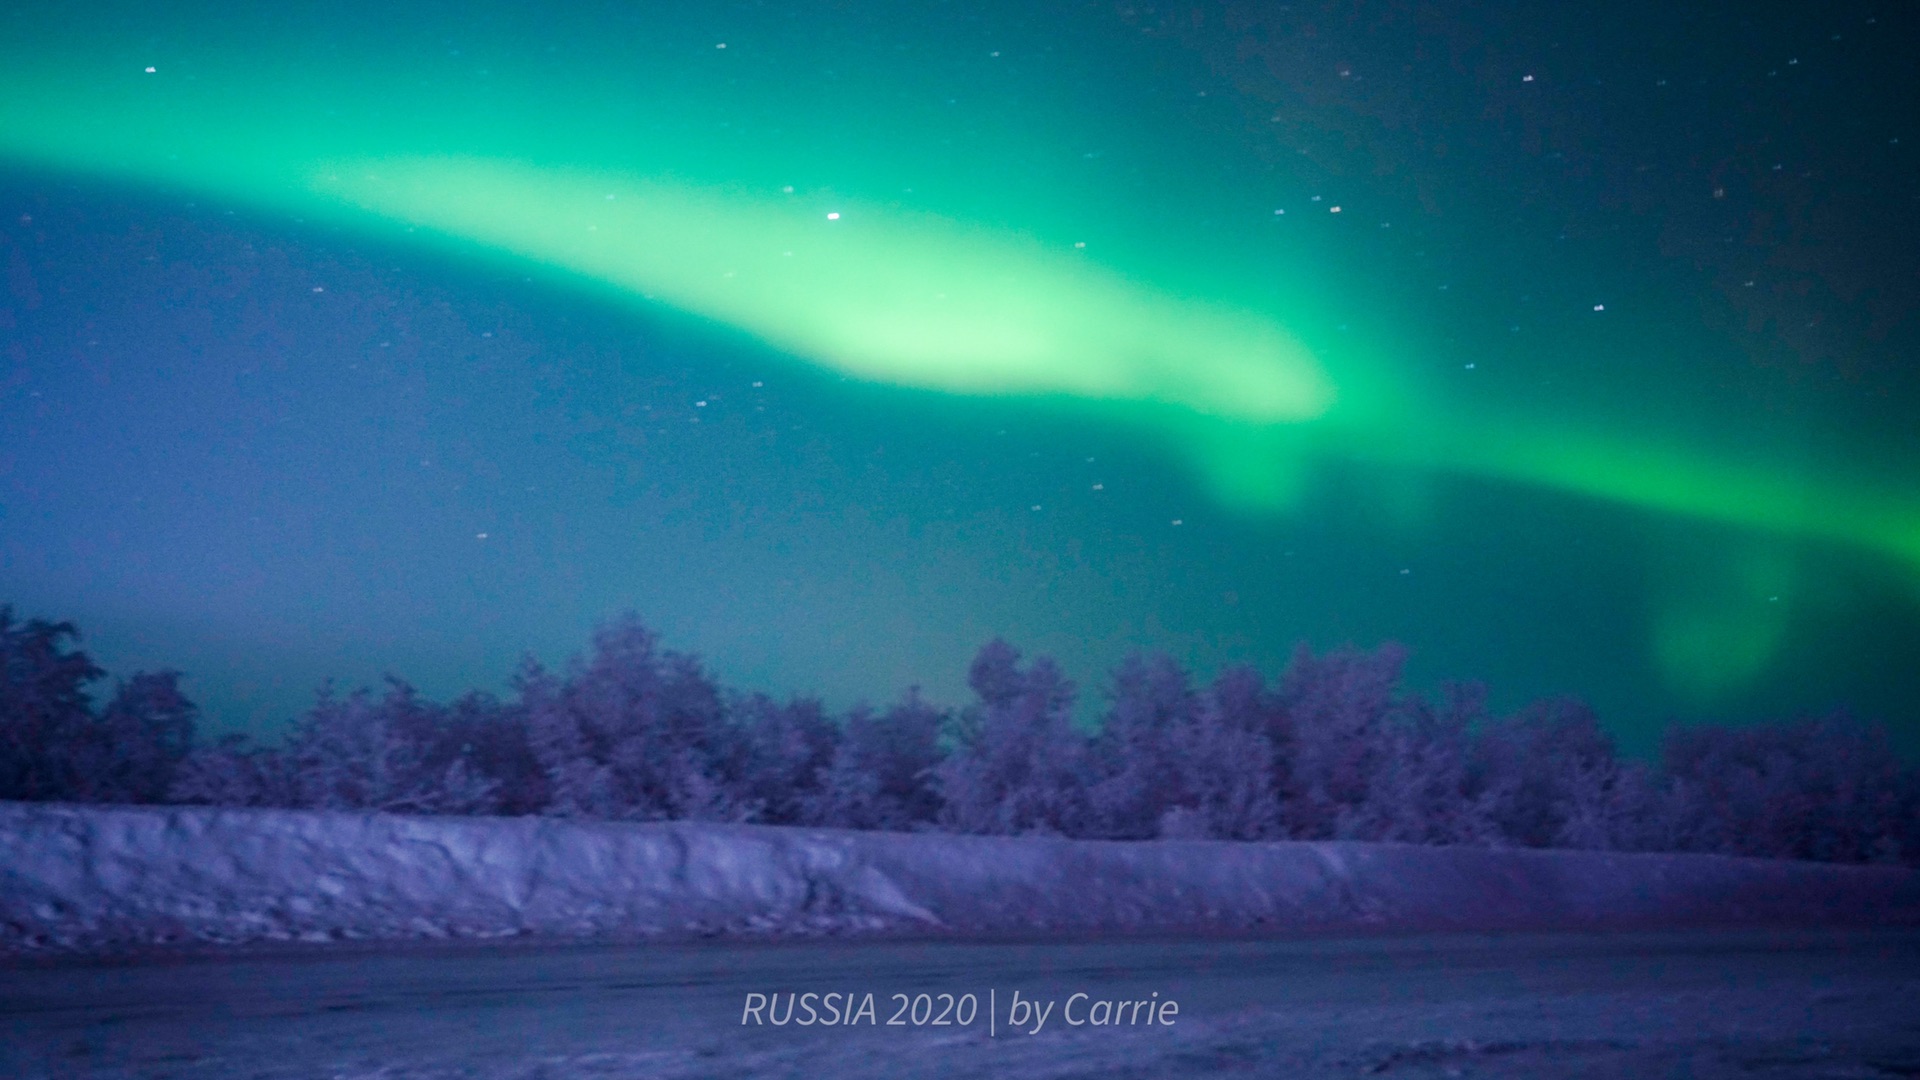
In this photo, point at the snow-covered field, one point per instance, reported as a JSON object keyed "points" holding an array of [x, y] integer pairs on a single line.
{"points": [[1285, 960], [85, 879]]}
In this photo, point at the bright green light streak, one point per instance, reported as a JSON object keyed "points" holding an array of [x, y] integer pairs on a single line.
{"points": [[887, 295], [1779, 499]]}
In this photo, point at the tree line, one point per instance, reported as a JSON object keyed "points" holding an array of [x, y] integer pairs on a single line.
{"points": [[1334, 749]]}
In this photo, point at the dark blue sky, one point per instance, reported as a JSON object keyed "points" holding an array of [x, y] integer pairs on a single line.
{"points": [[266, 449]]}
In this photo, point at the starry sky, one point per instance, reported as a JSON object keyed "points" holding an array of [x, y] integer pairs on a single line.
{"points": [[1570, 345]]}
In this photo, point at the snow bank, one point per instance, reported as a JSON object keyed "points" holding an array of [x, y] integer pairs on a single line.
{"points": [[92, 878]]}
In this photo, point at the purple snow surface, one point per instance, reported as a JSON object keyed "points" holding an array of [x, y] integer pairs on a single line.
{"points": [[112, 878]]}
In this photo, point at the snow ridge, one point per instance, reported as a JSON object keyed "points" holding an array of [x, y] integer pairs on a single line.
{"points": [[91, 878]]}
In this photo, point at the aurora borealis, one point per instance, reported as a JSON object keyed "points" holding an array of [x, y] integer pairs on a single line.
{"points": [[1572, 349]]}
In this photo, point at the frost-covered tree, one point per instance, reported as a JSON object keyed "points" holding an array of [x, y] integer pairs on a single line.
{"points": [[779, 756], [347, 756], [1173, 762], [1419, 785], [1138, 754], [1336, 710], [630, 732], [45, 709], [234, 771], [53, 746], [1226, 761], [1017, 765], [881, 775], [1828, 789], [491, 736], [1614, 805], [1549, 777], [130, 754], [361, 753], [398, 752]]}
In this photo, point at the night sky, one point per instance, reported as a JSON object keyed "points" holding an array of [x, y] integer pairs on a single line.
{"points": [[1571, 345]]}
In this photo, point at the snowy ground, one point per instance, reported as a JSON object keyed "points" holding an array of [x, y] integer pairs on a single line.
{"points": [[1699, 1004], [92, 879], [1285, 960]]}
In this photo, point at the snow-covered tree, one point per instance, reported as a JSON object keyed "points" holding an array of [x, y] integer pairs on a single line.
{"points": [[234, 771], [1226, 761], [881, 775], [1829, 789], [131, 753], [1138, 754], [1017, 765], [491, 736], [45, 709], [1549, 777], [780, 754], [630, 732], [361, 753], [1419, 786], [1336, 709]]}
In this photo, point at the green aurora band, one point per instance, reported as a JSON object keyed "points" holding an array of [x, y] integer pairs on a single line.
{"points": [[890, 296], [901, 296]]}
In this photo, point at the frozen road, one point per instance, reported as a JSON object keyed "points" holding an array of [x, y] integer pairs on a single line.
{"points": [[1746, 1005]]}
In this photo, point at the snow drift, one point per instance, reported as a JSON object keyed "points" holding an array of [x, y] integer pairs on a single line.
{"points": [[104, 878]]}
